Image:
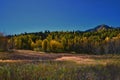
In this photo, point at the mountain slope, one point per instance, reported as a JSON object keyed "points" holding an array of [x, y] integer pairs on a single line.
{"points": [[100, 28]]}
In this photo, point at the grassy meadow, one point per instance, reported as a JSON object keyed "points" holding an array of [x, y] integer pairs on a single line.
{"points": [[58, 71], [104, 67]]}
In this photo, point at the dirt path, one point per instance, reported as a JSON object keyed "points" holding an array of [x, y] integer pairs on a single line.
{"points": [[80, 60], [13, 61]]}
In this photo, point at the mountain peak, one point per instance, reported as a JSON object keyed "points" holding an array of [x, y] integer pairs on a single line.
{"points": [[100, 28]]}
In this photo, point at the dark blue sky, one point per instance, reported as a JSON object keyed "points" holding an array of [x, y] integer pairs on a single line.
{"points": [[18, 16]]}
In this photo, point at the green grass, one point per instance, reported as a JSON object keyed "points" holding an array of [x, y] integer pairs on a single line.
{"points": [[53, 70]]}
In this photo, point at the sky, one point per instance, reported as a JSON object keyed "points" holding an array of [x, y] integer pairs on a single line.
{"points": [[19, 16]]}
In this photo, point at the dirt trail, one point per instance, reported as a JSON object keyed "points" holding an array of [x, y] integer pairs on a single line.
{"points": [[79, 60], [13, 61]]}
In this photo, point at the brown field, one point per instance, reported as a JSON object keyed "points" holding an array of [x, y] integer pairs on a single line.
{"points": [[33, 56]]}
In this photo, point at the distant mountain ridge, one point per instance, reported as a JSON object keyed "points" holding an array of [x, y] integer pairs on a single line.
{"points": [[95, 29], [101, 28]]}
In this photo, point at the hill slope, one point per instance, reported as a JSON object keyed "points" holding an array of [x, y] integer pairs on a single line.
{"points": [[100, 28]]}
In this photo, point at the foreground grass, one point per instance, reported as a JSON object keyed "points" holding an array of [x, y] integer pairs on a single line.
{"points": [[46, 67], [53, 70]]}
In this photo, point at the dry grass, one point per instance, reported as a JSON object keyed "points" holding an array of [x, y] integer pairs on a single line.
{"points": [[32, 56], [31, 65]]}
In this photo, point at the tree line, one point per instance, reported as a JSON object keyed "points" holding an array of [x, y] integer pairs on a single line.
{"points": [[3, 42], [96, 42]]}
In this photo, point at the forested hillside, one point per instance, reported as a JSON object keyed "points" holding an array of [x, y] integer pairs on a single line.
{"points": [[100, 40]]}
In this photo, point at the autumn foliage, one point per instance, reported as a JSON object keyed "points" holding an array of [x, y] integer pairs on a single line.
{"points": [[91, 42]]}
